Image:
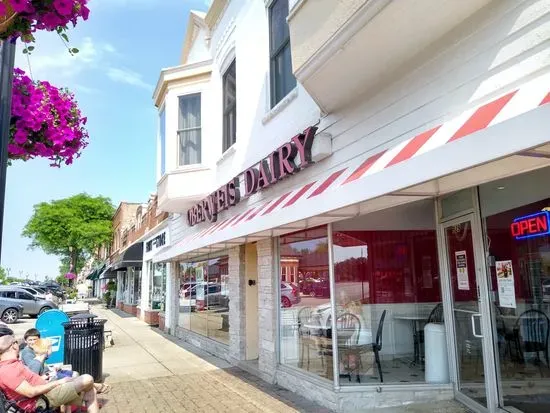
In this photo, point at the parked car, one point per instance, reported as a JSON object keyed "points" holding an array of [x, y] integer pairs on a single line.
{"points": [[55, 288], [215, 296], [290, 295], [34, 291], [10, 312], [31, 305]]}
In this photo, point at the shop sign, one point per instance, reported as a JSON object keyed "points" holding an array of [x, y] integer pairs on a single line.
{"points": [[278, 165], [529, 226], [156, 242], [151, 245]]}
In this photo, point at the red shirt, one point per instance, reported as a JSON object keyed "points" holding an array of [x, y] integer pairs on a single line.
{"points": [[12, 374]]}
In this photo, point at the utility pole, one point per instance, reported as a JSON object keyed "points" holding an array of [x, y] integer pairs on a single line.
{"points": [[7, 62]]}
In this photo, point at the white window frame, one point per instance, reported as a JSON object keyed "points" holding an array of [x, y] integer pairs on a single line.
{"points": [[178, 131]]}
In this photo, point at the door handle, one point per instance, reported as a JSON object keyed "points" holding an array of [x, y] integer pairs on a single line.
{"points": [[474, 325]]}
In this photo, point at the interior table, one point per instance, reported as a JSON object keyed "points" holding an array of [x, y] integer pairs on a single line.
{"points": [[416, 321]]}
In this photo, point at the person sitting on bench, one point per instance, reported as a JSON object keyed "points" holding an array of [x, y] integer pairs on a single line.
{"points": [[24, 387]]}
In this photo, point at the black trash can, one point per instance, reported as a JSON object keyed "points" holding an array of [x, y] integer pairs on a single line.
{"points": [[84, 344]]}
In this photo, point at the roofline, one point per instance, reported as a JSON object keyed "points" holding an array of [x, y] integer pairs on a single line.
{"points": [[194, 20], [215, 12]]}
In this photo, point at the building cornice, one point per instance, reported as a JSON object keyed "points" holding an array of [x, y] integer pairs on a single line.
{"points": [[214, 13], [194, 25], [178, 73]]}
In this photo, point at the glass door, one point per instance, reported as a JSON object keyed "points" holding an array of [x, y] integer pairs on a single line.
{"points": [[475, 378]]}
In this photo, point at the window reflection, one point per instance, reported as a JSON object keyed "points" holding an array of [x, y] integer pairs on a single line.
{"points": [[305, 302], [204, 298], [386, 286], [520, 290], [157, 291]]}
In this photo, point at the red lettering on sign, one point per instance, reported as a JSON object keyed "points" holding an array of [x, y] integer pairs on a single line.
{"points": [[278, 165]]}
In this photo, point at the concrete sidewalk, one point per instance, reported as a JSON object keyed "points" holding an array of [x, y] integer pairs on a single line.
{"points": [[152, 372]]}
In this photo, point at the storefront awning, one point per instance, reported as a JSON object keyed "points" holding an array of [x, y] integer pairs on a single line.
{"points": [[107, 273], [131, 257], [505, 136], [94, 275]]}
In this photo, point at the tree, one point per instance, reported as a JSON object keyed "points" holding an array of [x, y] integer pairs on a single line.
{"points": [[3, 276], [72, 228], [61, 280]]}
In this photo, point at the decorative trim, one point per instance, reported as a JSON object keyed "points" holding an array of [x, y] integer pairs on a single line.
{"points": [[215, 12], [224, 38], [295, 9], [281, 106], [228, 57], [195, 24], [188, 168], [184, 72], [227, 154]]}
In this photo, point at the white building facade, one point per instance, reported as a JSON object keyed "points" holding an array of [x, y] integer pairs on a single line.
{"points": [[356, 193]]}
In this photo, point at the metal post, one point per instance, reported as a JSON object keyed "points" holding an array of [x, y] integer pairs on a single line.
{"points": [[333, 311], [7, 62]]}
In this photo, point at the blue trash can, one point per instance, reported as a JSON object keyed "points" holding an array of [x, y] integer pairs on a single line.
{"points": [[50, 325]]}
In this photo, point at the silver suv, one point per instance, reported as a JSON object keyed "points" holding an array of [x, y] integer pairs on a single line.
{"points": [[10, 312], [31, 305]]}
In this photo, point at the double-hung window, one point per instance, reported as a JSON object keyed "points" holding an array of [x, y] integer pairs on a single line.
{"points": [[229, 106], [189, 129], [282, 80]]}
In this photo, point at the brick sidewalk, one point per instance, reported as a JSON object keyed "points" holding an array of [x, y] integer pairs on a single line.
{"points": [[152, 372], [149, 372]]}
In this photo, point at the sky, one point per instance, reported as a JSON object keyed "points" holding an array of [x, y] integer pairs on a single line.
{"points": [[123, 46]]}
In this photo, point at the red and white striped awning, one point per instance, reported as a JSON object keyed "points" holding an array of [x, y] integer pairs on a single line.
{"points": [[477, 136]]}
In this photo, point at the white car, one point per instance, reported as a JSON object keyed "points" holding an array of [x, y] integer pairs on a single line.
{"points": [[32, 291]]}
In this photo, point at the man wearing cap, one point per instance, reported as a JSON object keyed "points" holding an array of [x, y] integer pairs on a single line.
{"points": [[25, 387]]}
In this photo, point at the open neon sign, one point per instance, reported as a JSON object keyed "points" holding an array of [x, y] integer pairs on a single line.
{"points": [[529, 226]]}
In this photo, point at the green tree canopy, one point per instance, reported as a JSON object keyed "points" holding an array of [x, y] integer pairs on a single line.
{"points": [[71, 228]]}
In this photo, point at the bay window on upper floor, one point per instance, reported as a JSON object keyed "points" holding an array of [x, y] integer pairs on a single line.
{"points": [[281, 77], [229, 106], [162, 141], [189, 129]]}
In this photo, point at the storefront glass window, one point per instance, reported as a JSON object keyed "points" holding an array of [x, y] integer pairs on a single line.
{"points": [[517, 227], [387, 288], [204, 298], [157, 290], [136, 299], [305, 301]]}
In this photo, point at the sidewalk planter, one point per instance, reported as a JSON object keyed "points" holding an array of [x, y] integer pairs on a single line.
{"points": [[129, 308], [162, 321], [151, 317]]}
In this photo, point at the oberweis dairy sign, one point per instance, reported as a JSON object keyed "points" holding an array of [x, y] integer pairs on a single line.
{"points": [[277, 166]]}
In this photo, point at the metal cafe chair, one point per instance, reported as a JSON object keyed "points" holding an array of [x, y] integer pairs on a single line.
{"points": [[532, 331]]}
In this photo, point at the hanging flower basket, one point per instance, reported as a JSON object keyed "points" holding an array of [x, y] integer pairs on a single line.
{"points": [[7, 15], [22, 18], [45, 122], [70, 276]]}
